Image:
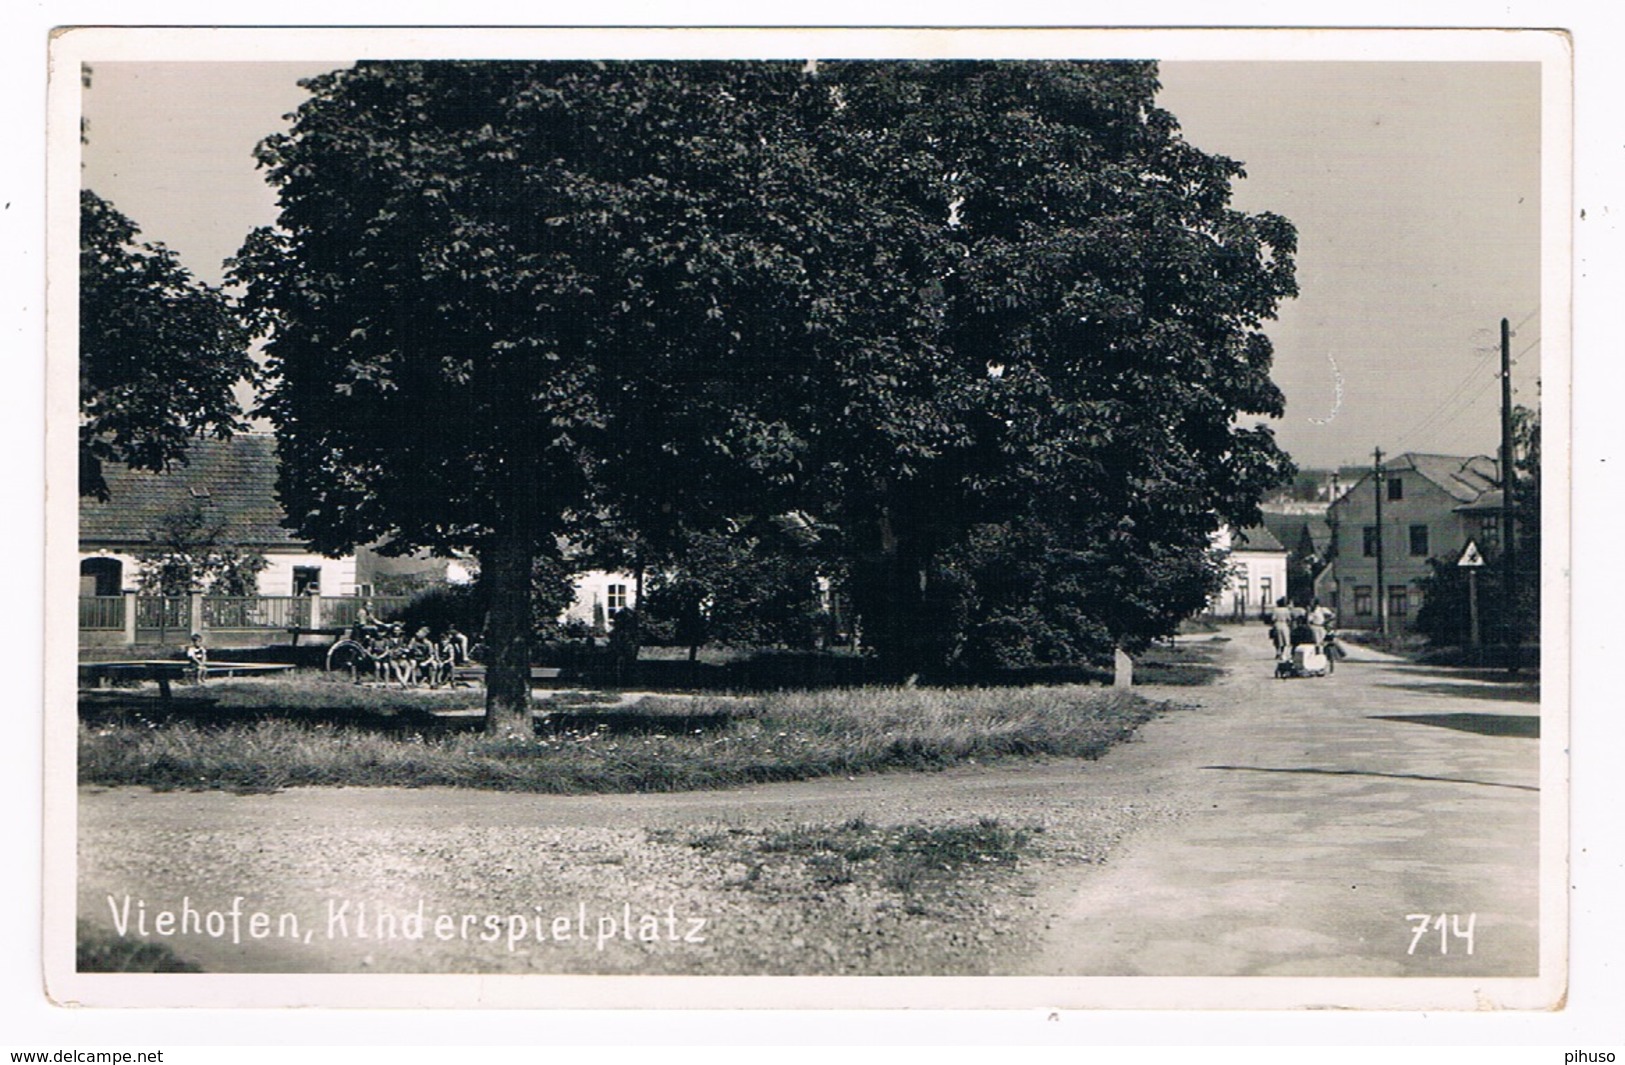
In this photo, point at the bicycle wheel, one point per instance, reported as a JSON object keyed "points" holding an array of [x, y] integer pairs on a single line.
{"points": [[347, 655]]}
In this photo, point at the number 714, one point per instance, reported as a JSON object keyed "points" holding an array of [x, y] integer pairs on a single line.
{"points": [[1448, 925]]}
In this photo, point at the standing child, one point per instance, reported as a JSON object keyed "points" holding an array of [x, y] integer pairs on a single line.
{"points": [[197, 657]]}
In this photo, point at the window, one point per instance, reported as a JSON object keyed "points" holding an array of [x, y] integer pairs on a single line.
{"points": [[1399, 600], [1396, 488], [1266, 591], [1489, 532], [101, 576], [615, 596], [1370, 547], [307, 580], [1419, 540], [1362, 600]]}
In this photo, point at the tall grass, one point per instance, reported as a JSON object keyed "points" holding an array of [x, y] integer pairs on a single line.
{"points": [[660, 745]]}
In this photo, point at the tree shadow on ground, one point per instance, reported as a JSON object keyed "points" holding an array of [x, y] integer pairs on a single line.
{"points": [[1180, 665], [1499, 676], [566, 712], [134, 707], [1522, 726], [1316, 771], [1468, 690]]}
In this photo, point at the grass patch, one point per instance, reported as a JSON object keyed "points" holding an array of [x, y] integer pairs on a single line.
{"points": [[101, 951], [657, 745], [1179, 665]]}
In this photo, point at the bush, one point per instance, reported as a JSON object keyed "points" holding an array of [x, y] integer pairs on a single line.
{"points": [[443, 606]]}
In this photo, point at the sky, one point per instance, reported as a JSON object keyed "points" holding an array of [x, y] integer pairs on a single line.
{"points": [[1414, 187]]}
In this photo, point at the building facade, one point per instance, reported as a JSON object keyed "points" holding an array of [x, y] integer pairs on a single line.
{"points": [[228, 486], [1431, 506], [1257, 573]]}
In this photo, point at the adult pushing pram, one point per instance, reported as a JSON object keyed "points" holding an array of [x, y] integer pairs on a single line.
{"points": [[1307, 658]]}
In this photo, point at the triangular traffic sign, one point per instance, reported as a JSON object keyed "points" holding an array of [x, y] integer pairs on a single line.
{"points": [[1470, 555]]}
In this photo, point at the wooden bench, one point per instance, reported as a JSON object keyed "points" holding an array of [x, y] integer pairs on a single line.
{"points": [[477, 672], [165, 670], [296, 632]]}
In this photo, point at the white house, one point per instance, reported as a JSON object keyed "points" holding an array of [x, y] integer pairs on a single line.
{"points": [[600, 595], [1257, 573], [232, 485]]}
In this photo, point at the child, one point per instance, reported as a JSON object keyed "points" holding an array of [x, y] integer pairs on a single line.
{"points": [[197, 656]]}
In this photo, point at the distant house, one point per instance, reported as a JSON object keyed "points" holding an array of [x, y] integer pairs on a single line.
{"points": [[1257, 575], [1432, 505], [232, 485], [599, 596], [1303, 530]]}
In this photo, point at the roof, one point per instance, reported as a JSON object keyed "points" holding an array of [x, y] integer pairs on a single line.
{"points": [[1256, 538], [1290, 529], [1464, 478], [232, 480], [1488, 502]]}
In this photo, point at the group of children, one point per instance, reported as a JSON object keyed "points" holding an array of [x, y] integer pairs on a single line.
{"points": [[418, 659]]}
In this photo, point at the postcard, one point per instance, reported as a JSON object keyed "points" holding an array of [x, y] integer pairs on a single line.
{"points": [[808, 518]]}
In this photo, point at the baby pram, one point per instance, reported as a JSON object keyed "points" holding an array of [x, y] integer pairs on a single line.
{"points": [[1306, 660]]}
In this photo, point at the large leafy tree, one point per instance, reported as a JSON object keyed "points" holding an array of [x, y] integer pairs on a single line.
{"points": [[914, 302], [1049, 318], [160, 353], [495, 288]]}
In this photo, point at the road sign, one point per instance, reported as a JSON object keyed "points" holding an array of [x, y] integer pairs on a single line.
{"points": [[1470, 556]]}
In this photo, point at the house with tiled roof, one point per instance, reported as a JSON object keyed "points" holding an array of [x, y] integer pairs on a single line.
{"points": [[1432, 505], [1256, 575], [231, 485]]}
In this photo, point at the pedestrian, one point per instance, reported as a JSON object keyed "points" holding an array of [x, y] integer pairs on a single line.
{"points": [[1281, 629], [1320, 619]]}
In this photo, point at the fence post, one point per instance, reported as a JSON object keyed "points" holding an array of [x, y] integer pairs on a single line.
{"points": [[315, 621], [129, 618], [197, 612]]}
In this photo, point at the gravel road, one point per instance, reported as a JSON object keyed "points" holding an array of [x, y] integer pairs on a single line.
{"points": [[324, 854]]}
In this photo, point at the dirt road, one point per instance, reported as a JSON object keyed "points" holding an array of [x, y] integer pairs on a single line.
{"points": [[1278, 828]]}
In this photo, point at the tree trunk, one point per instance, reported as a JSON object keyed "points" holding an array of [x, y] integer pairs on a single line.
{"points": [[507, 565]]}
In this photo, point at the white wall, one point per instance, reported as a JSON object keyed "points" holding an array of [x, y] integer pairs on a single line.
{"points": [[1254, 576], [593, 595], [338, 574]]}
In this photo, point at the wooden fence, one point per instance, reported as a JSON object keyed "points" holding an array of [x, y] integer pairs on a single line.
{"points": [[101, 612], [143, 617]]}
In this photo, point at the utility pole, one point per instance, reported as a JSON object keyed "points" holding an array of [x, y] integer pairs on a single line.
{"points": [[1382, 590], [1509, 590]]}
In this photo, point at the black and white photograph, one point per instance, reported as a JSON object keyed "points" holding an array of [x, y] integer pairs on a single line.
{"points": [[1084, 514]]}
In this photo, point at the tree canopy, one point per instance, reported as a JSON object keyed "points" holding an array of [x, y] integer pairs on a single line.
{"points": [[1035, 311], [943, 309], [160, 353]]}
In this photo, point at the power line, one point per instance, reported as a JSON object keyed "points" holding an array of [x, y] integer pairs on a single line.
{"points": [[1428, 419], [1468, 405], [1431, 422]]}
